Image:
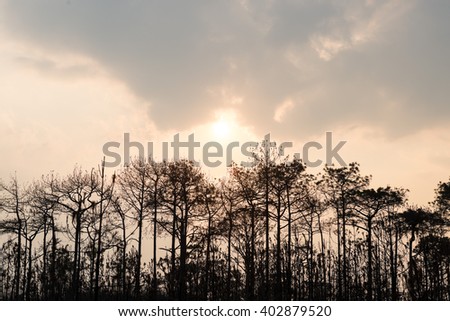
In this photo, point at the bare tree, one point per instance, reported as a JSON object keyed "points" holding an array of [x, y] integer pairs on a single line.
{"points": [[340, 186], [370, 204], [12, 202], [135, 190], [75, 196]]}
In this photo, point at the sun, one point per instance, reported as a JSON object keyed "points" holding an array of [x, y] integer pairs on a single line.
{"points": [[221, 128]]}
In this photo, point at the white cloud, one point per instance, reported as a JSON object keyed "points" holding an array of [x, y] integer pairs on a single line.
{"points": [[282, 110], [359, 23], [59, 109], [328, 47]]}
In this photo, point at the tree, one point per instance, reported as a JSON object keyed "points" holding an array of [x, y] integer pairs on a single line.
{"points": [[340, 186], [417, 221], [121, 210], [135, 190], [442, 200], [105, 194], [76, 195], [229, 199], [12, 202], [46, 208], [285, 176], [370, 204], [190, 180], [248, 229], [157, 175], [330, 235], [209, 207], [308, 210]]}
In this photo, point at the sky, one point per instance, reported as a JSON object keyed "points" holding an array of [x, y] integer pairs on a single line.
{"points": [[75, 75]]}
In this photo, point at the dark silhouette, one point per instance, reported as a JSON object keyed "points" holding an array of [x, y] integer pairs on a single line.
{"points": [[164, 231]]}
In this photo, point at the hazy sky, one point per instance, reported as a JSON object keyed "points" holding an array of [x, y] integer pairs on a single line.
{"points": [[76, 74]]}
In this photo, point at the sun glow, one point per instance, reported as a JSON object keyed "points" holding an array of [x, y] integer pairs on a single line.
{"points": [[221, 128]]}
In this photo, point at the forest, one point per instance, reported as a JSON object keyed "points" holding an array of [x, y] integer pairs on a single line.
{"points": [[165, 231]]}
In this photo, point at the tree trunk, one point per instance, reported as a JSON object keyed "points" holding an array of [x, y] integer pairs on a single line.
{"points": [[173, 254], [369, 258], [19, 258], [44, 261], [76, 260], [53, 261], [278, 286], [311, 258], [411, 274], [266, 270], [124, 260], [344, 254], [289, 247], [339, 261], [28, 288], [137, 285], [230, 230], [252, 255], [183, 255], [155, 236], [208, 254], [99, 241]]}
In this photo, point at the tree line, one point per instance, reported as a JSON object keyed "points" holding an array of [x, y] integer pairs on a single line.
{"points": [[165, 231]]}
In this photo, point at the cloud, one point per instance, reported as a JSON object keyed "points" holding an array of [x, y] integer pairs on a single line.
{"points": [[282, 110], [341, 64], [57, 67], [359, 23]]}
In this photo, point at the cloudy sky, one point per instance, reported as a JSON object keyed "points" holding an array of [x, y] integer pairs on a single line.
{"points": [[76, 74]]}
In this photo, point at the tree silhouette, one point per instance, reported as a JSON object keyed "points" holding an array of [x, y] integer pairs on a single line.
{"points": [[268, 232], [341, 187], [12, 202], [370, 204]]}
